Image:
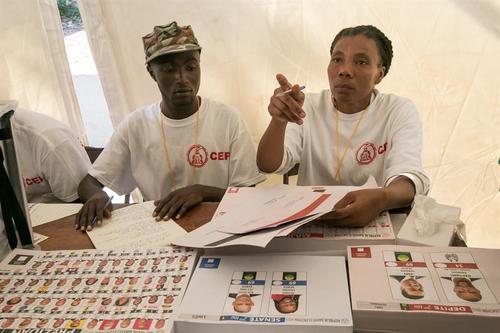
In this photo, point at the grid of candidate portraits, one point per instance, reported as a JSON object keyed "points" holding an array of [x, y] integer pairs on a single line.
{"points": [[94, 290]]}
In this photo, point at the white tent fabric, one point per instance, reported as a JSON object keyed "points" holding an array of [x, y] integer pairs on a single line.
{"points": [[446, 61], [33, 65]]}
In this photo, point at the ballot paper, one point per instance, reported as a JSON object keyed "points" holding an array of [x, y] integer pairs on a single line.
{"points": [[255, 208], [84, 291], [424, 289], [266, 294], [134, 227], [318, 238], [41, 213], [265, 213]]}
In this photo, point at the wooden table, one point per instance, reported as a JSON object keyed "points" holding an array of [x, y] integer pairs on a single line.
{"points": [[63, 236]]}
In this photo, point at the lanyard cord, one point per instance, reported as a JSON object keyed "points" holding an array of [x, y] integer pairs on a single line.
{"points": [[165, 145], [340, 159]]}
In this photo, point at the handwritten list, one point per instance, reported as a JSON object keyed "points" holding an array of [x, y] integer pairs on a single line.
{"points": [[134, 227]]}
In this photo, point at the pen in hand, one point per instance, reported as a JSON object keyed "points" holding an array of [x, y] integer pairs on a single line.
{"points": [[283, 93], [94, 220]]}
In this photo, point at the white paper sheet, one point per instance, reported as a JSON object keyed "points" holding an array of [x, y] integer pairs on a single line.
{"points": [[134, 227], [38, 238], [277, 205], [239, 203], [283, 208], [42, 213]]}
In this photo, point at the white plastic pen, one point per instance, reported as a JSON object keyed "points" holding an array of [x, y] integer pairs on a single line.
{"points": [[288, 91]]}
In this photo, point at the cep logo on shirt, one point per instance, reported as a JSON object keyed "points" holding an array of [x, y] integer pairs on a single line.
{"points": [[367, 152], [33, 181], [197, 156]]}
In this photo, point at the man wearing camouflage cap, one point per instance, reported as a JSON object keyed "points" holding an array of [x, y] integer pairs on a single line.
{"points": [[179, 151]]}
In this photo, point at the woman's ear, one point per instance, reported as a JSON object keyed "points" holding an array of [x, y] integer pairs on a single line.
{"points": [[381, 74]]}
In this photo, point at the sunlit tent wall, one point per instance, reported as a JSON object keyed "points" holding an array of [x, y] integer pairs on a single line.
{"points": [[33, 65], [446, 61]]}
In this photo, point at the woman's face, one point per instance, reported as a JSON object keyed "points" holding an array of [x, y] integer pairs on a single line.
{"points": [[354, 70]]}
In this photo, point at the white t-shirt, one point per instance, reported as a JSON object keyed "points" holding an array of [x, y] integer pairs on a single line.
{"points": [[134, 157], [387, 144], [4, 241], [52, 159]]}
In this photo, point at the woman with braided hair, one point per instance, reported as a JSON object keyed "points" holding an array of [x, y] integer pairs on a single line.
{"points": [[344, 134]]}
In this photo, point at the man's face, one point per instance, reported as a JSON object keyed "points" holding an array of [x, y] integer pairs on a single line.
{"points": [[7, 322], [41, 323], [160, 323], [178, 77], [60, 301], [25, 322], [287, 305], [354, 69], [58, 323], [124, 323], [467, 292], [243, 304], [93, 323]]}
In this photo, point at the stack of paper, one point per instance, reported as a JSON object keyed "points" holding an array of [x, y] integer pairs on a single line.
{"points": [[266, 294], [424, 289], [254, 216], [320, 238], [91, 290]]}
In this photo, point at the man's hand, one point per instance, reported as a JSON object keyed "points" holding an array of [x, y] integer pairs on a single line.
{"points": [[358, 208], [287, 107], [93, 208], [178, 202]]}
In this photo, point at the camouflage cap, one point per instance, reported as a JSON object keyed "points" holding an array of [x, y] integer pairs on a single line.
{"points": [[170, 38]]}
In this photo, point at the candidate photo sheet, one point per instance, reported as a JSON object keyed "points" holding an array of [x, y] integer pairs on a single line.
{"points": [[461, 278], [408, 276], [94, 290], [426, 279], [265, 291], [246, 290]]}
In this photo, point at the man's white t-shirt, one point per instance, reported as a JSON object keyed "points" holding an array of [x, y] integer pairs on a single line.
{"points": [[223, 156], [52, 160], [388, 143], [4, 241]]}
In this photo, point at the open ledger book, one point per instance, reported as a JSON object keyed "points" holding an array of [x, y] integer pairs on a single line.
{"points": [[424, 289]]}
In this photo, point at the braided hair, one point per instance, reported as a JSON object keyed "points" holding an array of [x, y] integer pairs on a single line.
{"points": [[384, 44]]}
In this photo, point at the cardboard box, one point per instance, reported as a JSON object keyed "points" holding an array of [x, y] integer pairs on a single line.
{"points": [[424, 289], [266, 294]]}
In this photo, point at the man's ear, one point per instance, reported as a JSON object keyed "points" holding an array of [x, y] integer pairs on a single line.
{"points": [[381, 74], [150, 71]]}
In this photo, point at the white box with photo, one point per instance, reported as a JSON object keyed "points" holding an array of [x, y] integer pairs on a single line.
{"points": [[416, 289], [266, 294]]}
